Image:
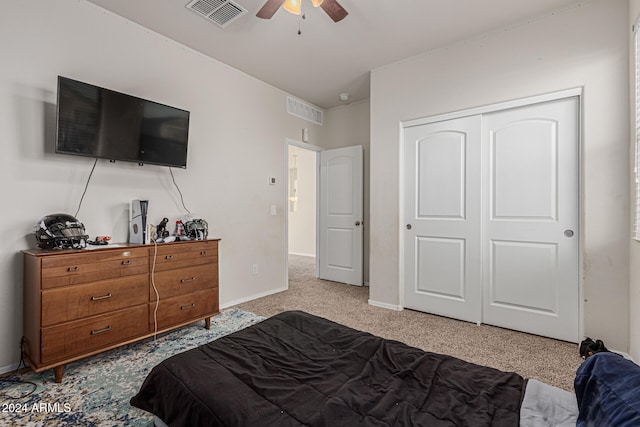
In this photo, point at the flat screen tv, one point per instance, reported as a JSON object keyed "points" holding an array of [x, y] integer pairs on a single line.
{"points": [[102, 123]]}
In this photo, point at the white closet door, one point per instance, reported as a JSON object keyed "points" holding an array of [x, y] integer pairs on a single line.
{"points": [[530, 231], [442, 218], [491, 217]]}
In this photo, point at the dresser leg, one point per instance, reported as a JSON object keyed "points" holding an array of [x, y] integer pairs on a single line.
{"points": [[207, 323], [57, 373]]}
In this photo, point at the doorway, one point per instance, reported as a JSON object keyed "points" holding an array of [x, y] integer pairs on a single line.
{"points": [[302, 201], [301, 205], [324, 209]]}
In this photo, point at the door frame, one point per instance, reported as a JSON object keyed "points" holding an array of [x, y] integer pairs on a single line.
{"points": [[553, 96], [287, 143]]}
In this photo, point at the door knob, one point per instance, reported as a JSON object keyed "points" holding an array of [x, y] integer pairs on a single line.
{"points": [[357, 223], [408, 226], [568, 233]]}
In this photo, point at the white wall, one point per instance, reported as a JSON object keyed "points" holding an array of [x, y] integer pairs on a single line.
{"points": [[583, 46], [238, 125], [634, 255], [345, 126], [302, 221]]}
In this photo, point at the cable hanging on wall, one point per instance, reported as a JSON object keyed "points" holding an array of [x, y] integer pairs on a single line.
{"points": [[179, 192], [85, 187]]}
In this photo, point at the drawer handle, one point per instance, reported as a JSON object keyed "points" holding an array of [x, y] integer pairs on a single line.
{"points": [[186, 307], [169, 257], [72, 269], [126, 262], [187, 280], [100, 331], [102, 297], [203, 252]]}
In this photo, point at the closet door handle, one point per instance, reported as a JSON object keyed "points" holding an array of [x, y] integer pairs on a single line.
{"points": [[408, 226], [568, 233]]}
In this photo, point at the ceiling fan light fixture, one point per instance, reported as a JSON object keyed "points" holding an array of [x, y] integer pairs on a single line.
{"points": [[293, 6], [270, 7]]}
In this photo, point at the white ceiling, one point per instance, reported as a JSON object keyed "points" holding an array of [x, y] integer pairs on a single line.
{"points": [[330, 58]]}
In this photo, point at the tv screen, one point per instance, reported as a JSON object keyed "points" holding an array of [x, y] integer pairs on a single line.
{"points": [[102, 123]]}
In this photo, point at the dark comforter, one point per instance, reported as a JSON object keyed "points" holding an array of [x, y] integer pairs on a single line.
{"points": [[297, 369]]}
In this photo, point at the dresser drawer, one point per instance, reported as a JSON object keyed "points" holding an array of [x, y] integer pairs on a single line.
{"points": [[75, 302], [83, 336], [183, 308], [65, 269], [179, 255], [171, 283]]}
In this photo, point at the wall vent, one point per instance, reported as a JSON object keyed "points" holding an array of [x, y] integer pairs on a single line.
{"points": [[304, 111], [220, 12]]}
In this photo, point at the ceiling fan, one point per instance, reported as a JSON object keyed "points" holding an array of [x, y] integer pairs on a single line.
{"points": [[331, 7]]}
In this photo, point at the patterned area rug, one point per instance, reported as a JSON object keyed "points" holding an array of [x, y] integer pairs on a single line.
{"points": [[95, 391]]}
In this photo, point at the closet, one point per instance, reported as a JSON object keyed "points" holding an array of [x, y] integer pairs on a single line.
{"points": [[491, 216]]}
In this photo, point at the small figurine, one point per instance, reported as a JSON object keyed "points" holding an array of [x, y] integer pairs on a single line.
{"points": [[161, 230]]}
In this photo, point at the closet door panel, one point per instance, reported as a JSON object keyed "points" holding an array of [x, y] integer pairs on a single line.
{"points": [[530, 226], [441, 219], [524, 173]]}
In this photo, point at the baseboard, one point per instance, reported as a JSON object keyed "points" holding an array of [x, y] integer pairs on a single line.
{"points": [[252, 297], [5, 369], [299, 254], [385, 305]]}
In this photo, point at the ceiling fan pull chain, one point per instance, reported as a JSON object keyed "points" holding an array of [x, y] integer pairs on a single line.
{"points": [[303, 16]]}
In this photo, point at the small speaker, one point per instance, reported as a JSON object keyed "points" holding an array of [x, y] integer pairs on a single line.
{"points": [[138, 230]]}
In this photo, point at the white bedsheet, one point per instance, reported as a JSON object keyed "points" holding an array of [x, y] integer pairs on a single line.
{"points": [[547, 406]]}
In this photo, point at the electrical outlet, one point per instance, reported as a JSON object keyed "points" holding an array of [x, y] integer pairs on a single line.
{"points": [[254, 269]]}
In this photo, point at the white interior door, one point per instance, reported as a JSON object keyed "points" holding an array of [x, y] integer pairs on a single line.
{"points": [[442, 218], [491, 217], [341, 215], [530, 236]]}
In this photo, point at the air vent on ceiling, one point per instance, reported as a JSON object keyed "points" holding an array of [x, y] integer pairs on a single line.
{"points": [[220, 12], [304, 111]]}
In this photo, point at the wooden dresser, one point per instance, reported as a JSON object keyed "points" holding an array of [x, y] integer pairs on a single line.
{"points": [[82, 302]]}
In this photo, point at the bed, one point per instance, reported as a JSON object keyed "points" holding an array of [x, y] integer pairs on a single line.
{"points": [[297, 369]]}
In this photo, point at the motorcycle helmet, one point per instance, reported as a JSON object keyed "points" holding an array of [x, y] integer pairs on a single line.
{"points": [[196, 229], [60, 231]]}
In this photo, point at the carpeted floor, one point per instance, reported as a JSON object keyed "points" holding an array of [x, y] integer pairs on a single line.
{"points": [[551, 361]]}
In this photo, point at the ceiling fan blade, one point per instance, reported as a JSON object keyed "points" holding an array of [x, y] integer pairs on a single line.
{"points": [[269, 9], [334, 10]]}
